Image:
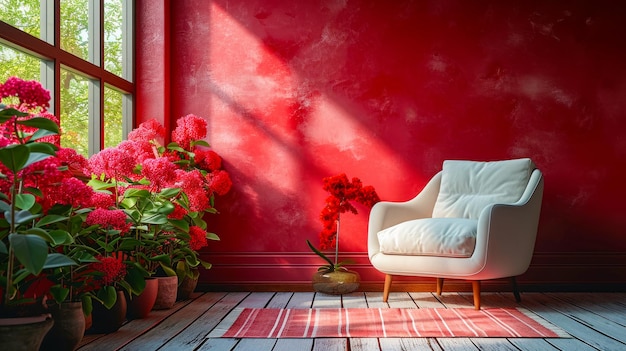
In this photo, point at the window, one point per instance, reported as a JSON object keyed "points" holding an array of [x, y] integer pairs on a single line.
{"points": [[84, 58]]}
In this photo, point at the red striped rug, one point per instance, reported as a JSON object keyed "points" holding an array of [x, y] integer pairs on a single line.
{"points": [[389, 322]]}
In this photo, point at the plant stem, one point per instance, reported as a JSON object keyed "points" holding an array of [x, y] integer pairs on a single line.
{"points": [[337, 241]]}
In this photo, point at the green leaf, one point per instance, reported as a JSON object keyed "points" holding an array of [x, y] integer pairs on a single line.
{"points": [[136, 193], [50, 219], [14, 157], [4, 206], [87, 304], [59, 293], [168, 270], [56, 260], [155, 219], [136, 280], [108, 296], [21, 217], [212, 236], [42, 147], [8, 113], [169, 192], [24, 201], [40, 123], [320, 254], [30, 250], [35, 157], [200, 143], [60, 237], [99, 185], [164, 258]]}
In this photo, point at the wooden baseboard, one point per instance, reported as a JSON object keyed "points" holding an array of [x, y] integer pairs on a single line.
{"points": [[291, 272], [486, 286]]}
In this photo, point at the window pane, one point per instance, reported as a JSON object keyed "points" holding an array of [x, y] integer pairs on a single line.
{"points": [[75, 112], [112, 117], [22, 14], [75, 27], [18, 64], [113, 31]]}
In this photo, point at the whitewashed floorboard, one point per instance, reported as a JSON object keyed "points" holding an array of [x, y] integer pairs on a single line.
{"points": [[592, 320], [401, 300], [218, 344], [330, 344], [327, 301], [354, 300], [494, 344], [255, 345], [364, 344], [425, 300], [280, 300], [301, 300], [413, 344], [375, 300], [571, 326], [457, 344], [293, 345], [570, 344], [532, 344]]}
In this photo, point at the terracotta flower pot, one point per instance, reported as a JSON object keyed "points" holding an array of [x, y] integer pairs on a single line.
{"points": [[140, 306], [166, 295], [186, 288]]}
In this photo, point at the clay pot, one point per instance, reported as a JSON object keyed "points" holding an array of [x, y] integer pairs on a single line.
{"points": [[166, 295], [186, 288], [68, 329], [105, 320], [24, 333], [140, 306]]}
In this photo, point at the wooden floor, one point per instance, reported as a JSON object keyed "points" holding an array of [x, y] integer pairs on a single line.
{"points": [[596, 321]]}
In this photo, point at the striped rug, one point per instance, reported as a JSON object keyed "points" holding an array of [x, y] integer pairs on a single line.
{"points": [[389, 322]]}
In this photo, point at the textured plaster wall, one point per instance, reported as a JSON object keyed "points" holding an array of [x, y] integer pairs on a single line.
{"points": [[295, 91]]}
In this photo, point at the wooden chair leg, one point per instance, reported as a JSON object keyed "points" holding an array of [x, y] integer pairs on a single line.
{"points": [[388, 279], [439, 286], [518, 298], [476, 292]]}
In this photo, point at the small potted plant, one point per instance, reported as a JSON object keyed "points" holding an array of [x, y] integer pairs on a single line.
{"points": [[28, 140], [334, 277]]}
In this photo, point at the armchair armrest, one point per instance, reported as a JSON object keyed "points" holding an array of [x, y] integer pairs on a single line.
{"points": [[386, 214], [507, 232]]}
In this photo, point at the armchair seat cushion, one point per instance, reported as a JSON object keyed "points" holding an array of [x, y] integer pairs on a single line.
{"points": [[449, 237]]}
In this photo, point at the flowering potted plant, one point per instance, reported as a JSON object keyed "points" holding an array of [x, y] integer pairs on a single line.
{"points": [[28, 138], [333, 277], [166, 191]]}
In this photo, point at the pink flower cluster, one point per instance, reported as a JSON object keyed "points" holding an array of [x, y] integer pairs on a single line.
{"points": [[31, 94]]}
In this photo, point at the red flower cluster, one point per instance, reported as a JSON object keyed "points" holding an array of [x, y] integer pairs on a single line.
{"points": [[198, 238], [109, 220], [112, 268], [342, 191]]}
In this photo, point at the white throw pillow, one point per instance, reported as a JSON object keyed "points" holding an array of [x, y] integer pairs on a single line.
{"points": [[467, 187], [450, 237]]}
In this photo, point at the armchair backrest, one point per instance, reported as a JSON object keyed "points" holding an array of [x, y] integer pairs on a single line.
{"points": [[467, 187]]}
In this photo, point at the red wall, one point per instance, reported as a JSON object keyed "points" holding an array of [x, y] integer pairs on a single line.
{"points": [[295, 91]]}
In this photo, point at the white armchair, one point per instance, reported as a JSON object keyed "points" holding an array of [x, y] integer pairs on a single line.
{"points": [[473, 221]]}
